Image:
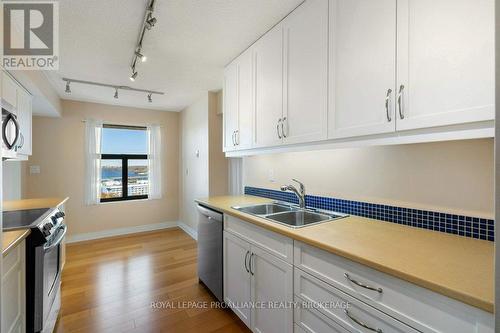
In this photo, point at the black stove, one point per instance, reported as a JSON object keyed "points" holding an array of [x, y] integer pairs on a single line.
{"points": [[21, 219], [43, 263]]}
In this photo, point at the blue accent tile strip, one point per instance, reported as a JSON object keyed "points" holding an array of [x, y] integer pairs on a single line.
{"points": [[466, 226]]}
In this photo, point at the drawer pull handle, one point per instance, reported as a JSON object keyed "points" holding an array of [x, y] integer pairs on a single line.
{"points": [[362, 285], [360, 323]]}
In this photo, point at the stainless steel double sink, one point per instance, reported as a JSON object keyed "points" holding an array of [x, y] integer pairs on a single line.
{"points": [[290, 215]]}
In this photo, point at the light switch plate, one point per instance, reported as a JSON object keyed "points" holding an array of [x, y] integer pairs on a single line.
{"points": [[34, 169]]}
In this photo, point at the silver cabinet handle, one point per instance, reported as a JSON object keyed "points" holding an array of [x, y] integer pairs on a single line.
{"points": [[362, 285], [237, 136], [282, 127], [232, 137], [246, 257], [387, 99], [400, 102], [278, 128], [250, 263], [360, 323]]}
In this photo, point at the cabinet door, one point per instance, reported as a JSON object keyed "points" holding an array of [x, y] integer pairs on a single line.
{"points": [[272, 283], [445, 62], [237, 276], [362, 67], [244, 135], [269, 87], [9, 90], [13, 291], [306, 72], [230, 113], [24, 116]]}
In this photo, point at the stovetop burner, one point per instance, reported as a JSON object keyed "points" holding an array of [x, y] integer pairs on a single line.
{"points": [[21, 219]]}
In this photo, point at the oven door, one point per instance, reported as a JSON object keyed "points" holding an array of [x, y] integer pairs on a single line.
{"points": [[51, 270]]}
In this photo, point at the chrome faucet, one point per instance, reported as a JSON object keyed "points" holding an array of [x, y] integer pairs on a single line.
{"points": [[301, 194]]}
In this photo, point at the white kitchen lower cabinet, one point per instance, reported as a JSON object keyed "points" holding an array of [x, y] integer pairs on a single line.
{"points": [[272, 293], [344, 309], [420, 308], [237, 276], [330, 293], [311, 321], [258, 286], [14, 291]]}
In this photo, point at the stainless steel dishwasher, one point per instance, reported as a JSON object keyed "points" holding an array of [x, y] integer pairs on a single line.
{"points": [[210, 230]]}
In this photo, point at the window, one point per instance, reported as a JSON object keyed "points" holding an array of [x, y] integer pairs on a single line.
{"points": [[124, 163]]}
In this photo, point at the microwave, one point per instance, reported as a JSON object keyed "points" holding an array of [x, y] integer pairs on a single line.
{"points": [[11, 133]]}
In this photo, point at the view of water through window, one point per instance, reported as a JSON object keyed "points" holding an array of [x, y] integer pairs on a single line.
{"points": [[127, 145]]}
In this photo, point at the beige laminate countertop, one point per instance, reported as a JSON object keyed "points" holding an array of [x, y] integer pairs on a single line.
{"points": [[10, 239], [457, 267], [33, 203]]}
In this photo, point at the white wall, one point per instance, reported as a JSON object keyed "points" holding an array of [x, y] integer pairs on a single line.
{"points": [[12, 181], [193, 169], [204, 175], [447, 176]]}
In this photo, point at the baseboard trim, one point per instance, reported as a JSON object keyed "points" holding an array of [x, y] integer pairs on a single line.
{"points": [[125, 231], [188, 230]]}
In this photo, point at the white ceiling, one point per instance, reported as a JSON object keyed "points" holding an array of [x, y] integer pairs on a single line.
{"points": [[186, 50]]}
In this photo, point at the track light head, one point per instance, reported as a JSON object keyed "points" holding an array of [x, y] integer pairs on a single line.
{"points": [[68, 89], [133, 76], [150, 98], [150, 22], [141, 56], [116, 93]]}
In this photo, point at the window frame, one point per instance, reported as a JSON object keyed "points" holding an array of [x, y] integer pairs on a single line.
{"points": [[124, 159]]}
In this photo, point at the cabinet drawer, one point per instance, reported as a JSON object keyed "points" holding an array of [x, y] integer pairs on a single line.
{"points": [[276, 244], [311, 321], [418, 307], [344, 309]]}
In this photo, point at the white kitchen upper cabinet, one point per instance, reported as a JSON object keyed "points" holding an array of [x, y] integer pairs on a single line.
{"points": [[230, 114], [272, 283], [306, 73], [445, 62], [362, 71], [24, 116], [269, 87], [237, 275], [9, 90], [244, 135]]}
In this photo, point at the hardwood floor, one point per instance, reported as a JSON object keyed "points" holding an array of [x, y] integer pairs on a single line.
{"points": [[109, 285]]}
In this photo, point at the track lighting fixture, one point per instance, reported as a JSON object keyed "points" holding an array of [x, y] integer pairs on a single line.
{"points": [[148, 23], [141, 56], [133, 76], [149, 93]]}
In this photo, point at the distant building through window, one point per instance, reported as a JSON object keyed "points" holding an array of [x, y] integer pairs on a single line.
{"points": [[124, 164]]}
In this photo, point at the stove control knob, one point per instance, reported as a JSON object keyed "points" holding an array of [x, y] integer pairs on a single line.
{"points": [[60, 215]]}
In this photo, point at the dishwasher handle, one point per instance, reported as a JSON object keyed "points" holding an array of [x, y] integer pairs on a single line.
{"points": [[210, 214]]}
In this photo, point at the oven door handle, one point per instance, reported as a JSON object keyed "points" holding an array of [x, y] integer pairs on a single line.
{"points": [[58, 240]]}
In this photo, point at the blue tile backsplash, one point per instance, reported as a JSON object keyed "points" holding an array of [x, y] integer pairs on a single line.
{"points": [[467, 226]]}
